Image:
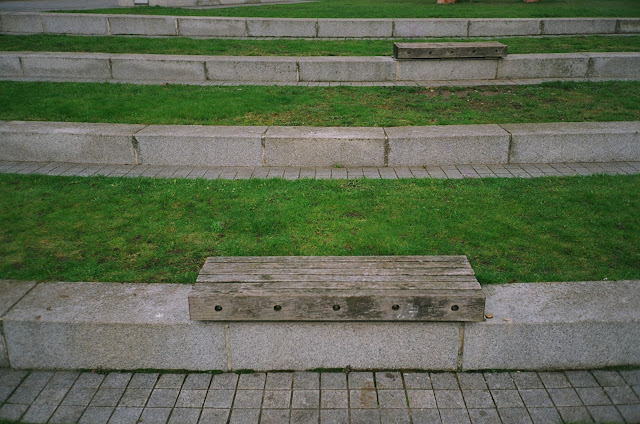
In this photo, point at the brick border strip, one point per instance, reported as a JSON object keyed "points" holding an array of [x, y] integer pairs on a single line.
{"points": [[151, 25], [319, 146], [148, 68], [134, 326]]}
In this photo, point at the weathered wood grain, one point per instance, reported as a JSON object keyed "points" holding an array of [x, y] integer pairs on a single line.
{"points": [[345, 288], [483, 49]]}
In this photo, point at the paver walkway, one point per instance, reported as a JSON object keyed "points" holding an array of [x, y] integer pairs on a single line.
{"points": [[293, 173], [310, 397]]}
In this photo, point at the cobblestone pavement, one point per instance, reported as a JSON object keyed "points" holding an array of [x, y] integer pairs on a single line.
{"points": [[294, 173], [312, 397]]}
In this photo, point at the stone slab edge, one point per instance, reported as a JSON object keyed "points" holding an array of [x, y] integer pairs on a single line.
{"points": [[256, 146], [204, 69], [539, 326], [151, 25]]}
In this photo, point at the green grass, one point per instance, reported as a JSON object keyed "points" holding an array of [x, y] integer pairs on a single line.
{"points": [[284, 47], [155, 230], [318, 106], [409, 9]]}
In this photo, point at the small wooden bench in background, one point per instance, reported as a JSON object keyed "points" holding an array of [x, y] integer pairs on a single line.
{"points": [[478, 50], [337, 288]]}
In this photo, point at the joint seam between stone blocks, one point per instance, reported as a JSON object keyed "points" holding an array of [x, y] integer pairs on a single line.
{"points": [[227, 343], [468, 27], [177, 27], [385, 159], [41, 22], [541, 27], [109, 26], [2, 329], [206, 71], [110, 68], [21, 66], [263, 143], [246, 28], [297, 69], [590, 65], [459, 363], [317, 28], [617, 28], [509, 145], [393, 27]]}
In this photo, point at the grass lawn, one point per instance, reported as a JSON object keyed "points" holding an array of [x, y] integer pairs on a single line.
{"points": [[409, 9], [318, 106], [154, 230], [285, 47]]}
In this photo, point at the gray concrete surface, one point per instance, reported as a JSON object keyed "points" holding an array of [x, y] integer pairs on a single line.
{"points": [[326, 146], [559, 325], [320, 146], [302, 346], [577, 325], [248, 68], [206, 27], [347, 70], [414, 28], [60, 141], [137, 67], [368, 397], [322, 28], [566, 142], [66, 23], [559, 65], [111, 326], [183, 145], [503, 27], [274, 27], [443, 145]]}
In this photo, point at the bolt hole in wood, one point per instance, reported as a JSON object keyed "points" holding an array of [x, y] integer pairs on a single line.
{"points": [[336, 307], [218, 308], [455, 308], [277, 308], [395, 307]]}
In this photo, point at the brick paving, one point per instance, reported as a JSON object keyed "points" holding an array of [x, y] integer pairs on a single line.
{"points": [[310, 397], [295, 173]]}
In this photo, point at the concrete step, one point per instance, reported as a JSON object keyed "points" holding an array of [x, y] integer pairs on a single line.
{"points": [[61, 325], [145, 68], [192, 26], [186, 145]]}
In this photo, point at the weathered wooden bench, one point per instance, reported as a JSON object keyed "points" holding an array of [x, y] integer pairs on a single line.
{"points": [[483, 49], [337, 288]]}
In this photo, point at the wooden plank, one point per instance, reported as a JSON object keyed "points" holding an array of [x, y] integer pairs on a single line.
{"points": [[316, 259], [343, 288], [357, 306], [468, 283], [487, 49]]}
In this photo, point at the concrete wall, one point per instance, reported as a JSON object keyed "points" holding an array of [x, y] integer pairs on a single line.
{"points": [[319, 147], [289, 69], [95, 24], [132, 326]]}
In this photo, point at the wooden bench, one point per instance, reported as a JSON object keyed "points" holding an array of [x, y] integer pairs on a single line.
{"points": [[483, 49], [337, 288]]}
